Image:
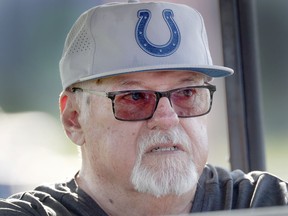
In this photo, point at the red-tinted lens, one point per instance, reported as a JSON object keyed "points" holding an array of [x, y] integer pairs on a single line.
{"points": [[134, 105], [191, 101]]}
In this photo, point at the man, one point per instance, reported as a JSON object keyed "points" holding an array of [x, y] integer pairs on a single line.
{"points": [[136, 94]]}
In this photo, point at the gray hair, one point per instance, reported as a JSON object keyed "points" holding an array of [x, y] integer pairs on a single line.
{"points": [[83, 99]]}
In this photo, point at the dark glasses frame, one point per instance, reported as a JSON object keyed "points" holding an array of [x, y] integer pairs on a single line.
{"points": [[159, 95]]}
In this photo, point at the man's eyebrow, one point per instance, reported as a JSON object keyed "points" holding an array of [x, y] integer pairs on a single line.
{"points": [[126, 82], [192, 80]]}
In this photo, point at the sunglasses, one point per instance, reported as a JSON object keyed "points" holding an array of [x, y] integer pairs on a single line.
{"points": [[137, 105]]}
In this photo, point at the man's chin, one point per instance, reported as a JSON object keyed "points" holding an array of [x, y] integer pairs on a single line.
{"points": [[164, 175]]}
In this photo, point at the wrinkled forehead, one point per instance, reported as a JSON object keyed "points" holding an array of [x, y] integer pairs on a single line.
{"points": [[153, 77]]}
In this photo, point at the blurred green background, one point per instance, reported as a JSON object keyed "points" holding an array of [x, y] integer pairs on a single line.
{"points": [[32, 37], [273, 34]]}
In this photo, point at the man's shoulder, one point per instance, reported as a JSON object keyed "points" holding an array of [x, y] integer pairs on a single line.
{"points": [[220, 189], [222, 176], [43, 200], [50, 199]]}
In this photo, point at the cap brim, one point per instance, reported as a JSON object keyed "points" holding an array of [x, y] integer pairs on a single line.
{"points": [[208, 70]]}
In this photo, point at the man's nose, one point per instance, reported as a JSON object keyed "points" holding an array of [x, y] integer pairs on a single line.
{"points": [[164, 116]]}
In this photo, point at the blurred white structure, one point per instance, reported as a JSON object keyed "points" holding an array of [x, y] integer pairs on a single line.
{"points": [[34, 149]]}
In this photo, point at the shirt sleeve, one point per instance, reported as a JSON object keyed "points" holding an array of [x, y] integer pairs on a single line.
{"points": [[18, 205], [51, 200], [33, 203]]}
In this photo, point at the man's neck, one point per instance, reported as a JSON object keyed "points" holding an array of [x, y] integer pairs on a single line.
{"points": [[118, 201]]}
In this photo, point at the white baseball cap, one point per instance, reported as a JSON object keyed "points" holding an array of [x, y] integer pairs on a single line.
{"points": [[119, 38]]}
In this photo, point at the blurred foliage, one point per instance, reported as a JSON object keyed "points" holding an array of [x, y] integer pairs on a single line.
{"points": [[32, 37], [273, 34]]}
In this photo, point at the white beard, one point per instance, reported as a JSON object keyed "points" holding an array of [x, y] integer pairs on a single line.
{"points": [[166, 176]]}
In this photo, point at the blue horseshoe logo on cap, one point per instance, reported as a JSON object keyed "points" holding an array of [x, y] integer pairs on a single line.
{"points": [[153, 49]]}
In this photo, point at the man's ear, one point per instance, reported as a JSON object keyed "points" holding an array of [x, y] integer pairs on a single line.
{"points": [[69, 113]]}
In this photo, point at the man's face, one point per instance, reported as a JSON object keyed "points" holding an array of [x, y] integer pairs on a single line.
{"points": [[162, 155]]}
